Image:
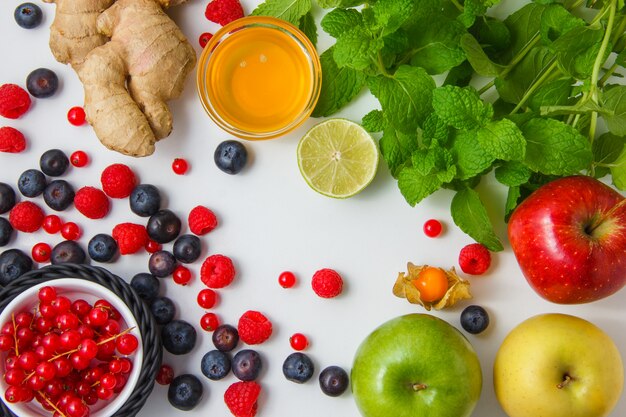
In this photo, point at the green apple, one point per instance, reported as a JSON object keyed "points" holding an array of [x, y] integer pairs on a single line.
{"points": [[414, 366], [556, 365]]}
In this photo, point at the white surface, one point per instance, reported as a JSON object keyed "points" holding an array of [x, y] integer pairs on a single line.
{"points": [[271, 221], [76, 289]]}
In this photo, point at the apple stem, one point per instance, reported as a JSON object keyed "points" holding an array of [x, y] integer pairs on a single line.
{"points": [[418, 387], [566, 380]]}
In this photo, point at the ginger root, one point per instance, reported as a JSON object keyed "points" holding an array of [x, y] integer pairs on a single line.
{"points": [[129, 79]]}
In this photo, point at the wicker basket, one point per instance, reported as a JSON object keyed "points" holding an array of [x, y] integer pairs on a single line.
{"points": [[152, 349]]}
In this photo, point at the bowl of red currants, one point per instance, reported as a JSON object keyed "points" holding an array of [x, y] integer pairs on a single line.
{"points": [[69, 347]]}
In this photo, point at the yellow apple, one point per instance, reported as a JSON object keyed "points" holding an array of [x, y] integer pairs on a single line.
{"points": [[557, 365]]}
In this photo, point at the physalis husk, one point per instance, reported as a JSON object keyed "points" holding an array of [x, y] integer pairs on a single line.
{"points": [[458, 288]]}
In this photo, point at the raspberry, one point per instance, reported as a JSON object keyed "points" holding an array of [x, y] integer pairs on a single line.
{"points": [[254, 328], [14, 101], [118, 181], [92, 202], [11, 140], [26, 217], [201, 220], [223, 11], [130, 237], [474, 259], [217, 271], [241, 397], [327, 283]]}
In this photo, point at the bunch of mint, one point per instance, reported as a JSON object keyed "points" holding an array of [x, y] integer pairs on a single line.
{"points": [[550, 67]]}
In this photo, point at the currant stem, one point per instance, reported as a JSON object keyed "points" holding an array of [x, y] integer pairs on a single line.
{"points": [[69, 352], [56, 409], [17, 350]]}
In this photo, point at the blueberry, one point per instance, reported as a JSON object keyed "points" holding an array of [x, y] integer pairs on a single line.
{"points": [[31, 183], [185, 392], [13, 264], [474, 319], [162, 264], [102, 248], [215, 365], [145, 200], [230, 156], [179, 337], [54, 162], [42, 83], [6, 231], [334, 381], [59, 195], [187, 248], [146, 286], [247, 365], [67, 252], [298, 368], [225, 337], [163, 310], [163, 226], [28, 15], [7, 198]]}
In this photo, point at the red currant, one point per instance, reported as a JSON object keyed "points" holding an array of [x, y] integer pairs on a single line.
{"points": [[70, 231], [180, 166], [93, 375], [76, 116], [126, 344], [79, 159], [204, 39], [91, 398], [153, 246], [83, 388], [111, 328], [43, 324], [23, 320], [69, 340], [165, 376], [108, 381], [36, 383], [80, 307], [12, 394], [27, 361], [104, 393], [207, 298], [76, 408], [8, 329], [85, 332], [209, 322], [63, 367], [121, 383], [47, 294], [88, 348], [51, 341], [287, 279], [41, 252], [79, 362], [115, 366], [105, 305], [54, 388], [106, 350], [62, 304], [67, 321], [14, 377], [46, 370], [98, 317], [432, 228], [52, 224], [298, 341], [6, 343], [127, 365], [181, 275]]}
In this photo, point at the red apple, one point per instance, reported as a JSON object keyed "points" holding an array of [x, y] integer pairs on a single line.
{"points": [[569, 238]]}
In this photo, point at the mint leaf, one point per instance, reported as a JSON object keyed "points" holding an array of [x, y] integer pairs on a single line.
{"points": [[416, 186], [607, 148], [338, 21], [373, 121], [429, 170], [396, 148], [405, 98], [329, 4], [552, 93], [492, 33], [555, 148], [461, 107], [478, 58], [435, 129], [512, 199], [513, 173], [339, 86], [524, 25], [469, 213], [470, 159], [473, 8], [513, 88], [390, 15], [502, 140], [355, 48], [436, 45], [289, 10], [577, 49], [618, 171], [555, 21], [460, 75], [614, 100], [308, 27]]}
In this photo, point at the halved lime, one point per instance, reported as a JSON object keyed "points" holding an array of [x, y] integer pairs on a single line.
{"points": [[337, 158]]}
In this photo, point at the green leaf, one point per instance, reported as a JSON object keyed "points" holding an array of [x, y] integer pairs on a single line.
{"points": [[461, 107], [396, 149], [330, 4], [339, 86], [435, 129], [552, 93], [390, 15], [289, 10], [555, 21], [415, 186], [308, 27], [503, 140], [469, 213], [436, 45], [405, 98], [478, 58], [614, 101], [355, 48], [523, 26], [555, 148], [577, 49], [429, 169], [492, 33], [513, 88], [618, 171], [373, 121], [460, 75], [512, 200], [470, 159], [607, 148], [473, 8], [338, 21], [512, 173]]}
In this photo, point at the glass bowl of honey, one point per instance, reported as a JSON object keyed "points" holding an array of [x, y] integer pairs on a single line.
{"points": [[259, 77]]}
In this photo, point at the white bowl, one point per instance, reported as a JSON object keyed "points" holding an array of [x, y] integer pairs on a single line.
{"points": [[74, 289]]}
